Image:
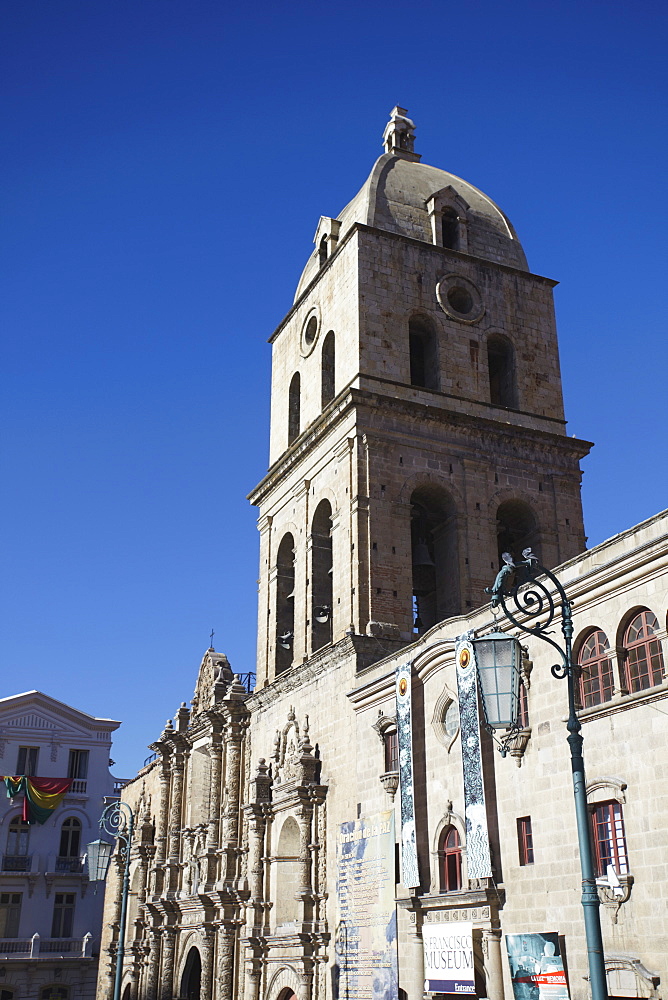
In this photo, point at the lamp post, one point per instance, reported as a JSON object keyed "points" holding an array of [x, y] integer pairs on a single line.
{"points": [[536, 602], [118, 821]]}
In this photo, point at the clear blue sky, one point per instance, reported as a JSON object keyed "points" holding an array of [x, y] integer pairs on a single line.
{"points": [[165, 165]]}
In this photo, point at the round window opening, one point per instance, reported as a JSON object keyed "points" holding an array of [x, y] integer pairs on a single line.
{"points": [[310, 331], [451, 719], [460, 300]]}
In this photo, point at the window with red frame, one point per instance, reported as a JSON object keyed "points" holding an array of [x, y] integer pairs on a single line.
{"points": [[525, 840], [644, 659], [450, 856], [609, 838], [391, 741], [596, 677]]}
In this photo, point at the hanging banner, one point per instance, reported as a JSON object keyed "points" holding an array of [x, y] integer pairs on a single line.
{"points": [[477, 837], [366, 933], [536, 966], [40, 795], [448, 958], [409, 859]]}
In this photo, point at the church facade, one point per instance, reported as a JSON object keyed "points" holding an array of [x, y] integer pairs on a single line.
{"points": [[417, 433]]}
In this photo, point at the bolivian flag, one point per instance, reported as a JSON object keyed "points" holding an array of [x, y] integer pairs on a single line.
{"points": [[40, 795]]}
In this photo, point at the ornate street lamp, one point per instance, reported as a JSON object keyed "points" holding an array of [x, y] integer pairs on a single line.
{"points": [[498, 658], [530, 600], [118, 821]]}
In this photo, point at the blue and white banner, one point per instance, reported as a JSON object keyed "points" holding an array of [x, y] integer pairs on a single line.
{"points": [[478, 859], [409, 859]]}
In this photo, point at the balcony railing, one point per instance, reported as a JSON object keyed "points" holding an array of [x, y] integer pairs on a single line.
{"points": [[68, 865], [78, 787], [36, 947], [16, 862], [248, 681]]}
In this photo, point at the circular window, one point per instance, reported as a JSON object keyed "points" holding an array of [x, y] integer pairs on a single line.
{"points": [[310, 331], [459, 298], [445, 720]]}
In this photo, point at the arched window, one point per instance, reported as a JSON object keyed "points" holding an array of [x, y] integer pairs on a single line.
{"points": [[609, 838], [192, 976], [501, 363], [450, 857], [450, 229], [423, 349], [643, 659], [17, 858], [55, 992], [70, 842], [322, 251], [517, 529], [328, 369], [434, 558], [596, 677], [294, 408], [70, 838], [287, 877], [321, 576], [285, 603]]}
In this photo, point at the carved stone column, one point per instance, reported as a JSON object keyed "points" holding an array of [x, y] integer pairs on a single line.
{"points": [[225, 972], [206, 989], [168, 949], [257, 825], [491, 951], [253, 977], [153, 970], [234, 734], [176, 808], [306, 981], [232, 784], [216, 755], [157, 879], [304, 817]]}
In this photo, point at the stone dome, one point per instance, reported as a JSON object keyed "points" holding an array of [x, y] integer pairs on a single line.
{"points": [[399, 196]]}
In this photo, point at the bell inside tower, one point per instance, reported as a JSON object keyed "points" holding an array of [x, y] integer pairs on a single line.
{"points": [[434, 557]]}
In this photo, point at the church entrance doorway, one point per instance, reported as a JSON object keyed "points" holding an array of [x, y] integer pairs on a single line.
{"points": [[192, 976]]}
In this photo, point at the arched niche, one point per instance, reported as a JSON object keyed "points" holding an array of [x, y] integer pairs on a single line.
{"points": [[328, 369], [517, 529], [423, 350], [321, 576], [287, 876], [285, 603], [434, 557], [294, 408], [501, 368]]}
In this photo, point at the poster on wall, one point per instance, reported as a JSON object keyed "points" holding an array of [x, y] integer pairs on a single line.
{"points": [[448, 958], [366, 932], [536, 966]]}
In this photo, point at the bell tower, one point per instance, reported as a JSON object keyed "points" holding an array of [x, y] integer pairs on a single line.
{"points": [[417, 424]]}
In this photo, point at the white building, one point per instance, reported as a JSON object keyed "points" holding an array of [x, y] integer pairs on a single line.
{"points": [[50, 917]]}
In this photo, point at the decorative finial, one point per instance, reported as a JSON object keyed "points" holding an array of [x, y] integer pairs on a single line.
{"points": [[399, 135], [211, 639]]}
